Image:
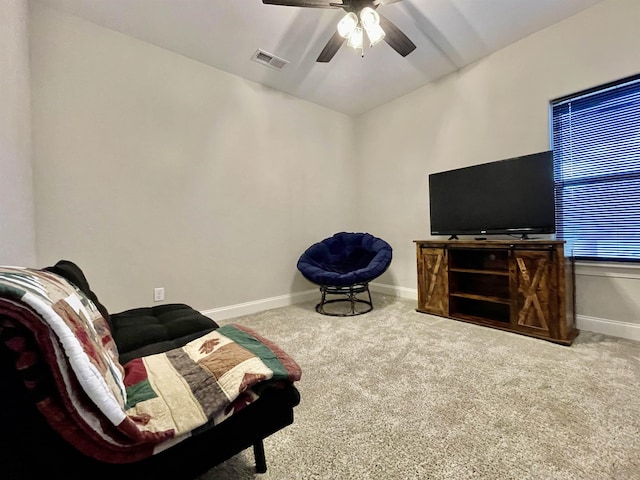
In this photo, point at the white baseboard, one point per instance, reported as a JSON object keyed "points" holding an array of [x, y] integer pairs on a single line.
{"points": [[401, 292], [605, 326], [233, 311]]}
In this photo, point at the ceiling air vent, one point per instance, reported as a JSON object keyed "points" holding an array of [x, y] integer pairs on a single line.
{"points": [[269, 60]]}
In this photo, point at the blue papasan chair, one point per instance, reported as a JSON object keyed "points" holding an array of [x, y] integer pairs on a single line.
{"points": [[343, 265]]}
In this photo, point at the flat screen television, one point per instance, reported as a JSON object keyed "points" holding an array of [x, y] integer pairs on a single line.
{"points": [[513, 196]]}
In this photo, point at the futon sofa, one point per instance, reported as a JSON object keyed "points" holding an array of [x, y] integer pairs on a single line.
{"points": [[52, 432]]}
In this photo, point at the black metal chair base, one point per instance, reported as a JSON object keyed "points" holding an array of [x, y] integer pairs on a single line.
{"points": [[349, 295]]}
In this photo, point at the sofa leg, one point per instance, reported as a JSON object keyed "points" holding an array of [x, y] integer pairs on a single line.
{"points": [[258, 453]]}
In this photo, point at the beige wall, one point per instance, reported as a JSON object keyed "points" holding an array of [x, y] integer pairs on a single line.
{"points": [[153, 170], [494, 109], [17, 215], [158, 171]]}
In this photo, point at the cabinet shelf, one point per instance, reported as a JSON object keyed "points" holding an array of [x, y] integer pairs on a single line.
{"points": [[480, 272], [481, 308], [483, 298], [492, 322], [521, 286]]}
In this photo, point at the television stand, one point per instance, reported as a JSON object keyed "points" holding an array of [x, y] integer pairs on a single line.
{"points": [[521, 286], [453, 237]]}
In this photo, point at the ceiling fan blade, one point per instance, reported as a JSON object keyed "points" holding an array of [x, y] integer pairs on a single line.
{"points": [[300, 3], [330, 49], [395, 38], [379, 3]]}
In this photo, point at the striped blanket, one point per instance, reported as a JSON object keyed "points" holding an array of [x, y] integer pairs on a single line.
{"points": [[123, 413]]}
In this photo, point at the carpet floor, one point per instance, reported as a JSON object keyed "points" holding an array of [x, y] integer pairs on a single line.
{"points": [[397, 394]]}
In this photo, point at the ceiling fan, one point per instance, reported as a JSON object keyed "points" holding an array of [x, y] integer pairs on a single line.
{"points": [[362, 16]]}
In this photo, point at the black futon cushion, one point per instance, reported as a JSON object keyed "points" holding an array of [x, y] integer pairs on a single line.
{"points": [[142, 331], [146, 331]]}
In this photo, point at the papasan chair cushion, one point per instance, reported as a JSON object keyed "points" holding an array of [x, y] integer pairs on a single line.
{"points": [[345, 259], [343, 265]]}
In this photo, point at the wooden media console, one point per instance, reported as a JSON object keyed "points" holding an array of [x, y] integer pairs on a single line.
{"points": [[523, 286]]}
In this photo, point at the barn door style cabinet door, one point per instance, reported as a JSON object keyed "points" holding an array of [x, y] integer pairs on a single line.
{"points": [[523, 286], [433, 289]]}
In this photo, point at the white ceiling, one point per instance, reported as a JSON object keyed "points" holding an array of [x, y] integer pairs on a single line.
{"points": [[449, 34]]}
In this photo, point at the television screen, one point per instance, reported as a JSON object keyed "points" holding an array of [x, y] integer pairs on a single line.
{"points": [[513, 196]]}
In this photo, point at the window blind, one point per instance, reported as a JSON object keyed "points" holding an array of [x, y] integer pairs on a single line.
{"points": [[596, 149]]}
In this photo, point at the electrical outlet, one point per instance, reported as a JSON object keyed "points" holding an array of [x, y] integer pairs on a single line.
{"points": [[158, 294]]}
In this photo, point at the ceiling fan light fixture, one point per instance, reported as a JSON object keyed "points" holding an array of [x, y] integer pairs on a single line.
{"points": [[375, 34], [370, 20], [369, 17], [355, 39], [347, 25]]}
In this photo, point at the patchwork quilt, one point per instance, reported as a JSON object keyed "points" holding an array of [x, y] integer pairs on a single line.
{"points": [[123, 413]]}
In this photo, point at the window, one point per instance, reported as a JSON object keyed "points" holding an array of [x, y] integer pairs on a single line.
{"points": [[596, 150]]}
